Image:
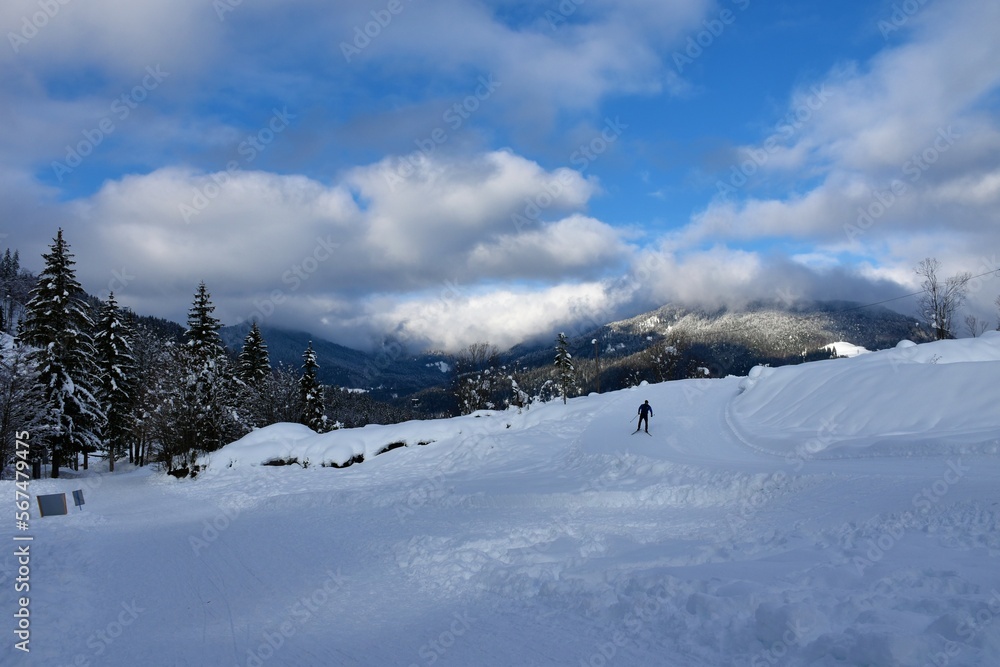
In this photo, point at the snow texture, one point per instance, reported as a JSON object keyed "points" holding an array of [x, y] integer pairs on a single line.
{"points": [[836, 513]]}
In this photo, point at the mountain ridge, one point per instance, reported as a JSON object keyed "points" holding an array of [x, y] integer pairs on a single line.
{"points": [[668, 342]]}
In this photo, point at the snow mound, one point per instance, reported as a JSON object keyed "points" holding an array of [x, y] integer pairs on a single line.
{"points": [[755, 375], [283, 444], [913, 399]]}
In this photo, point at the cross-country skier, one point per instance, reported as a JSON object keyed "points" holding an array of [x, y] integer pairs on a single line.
{"points": [[645, 411]]}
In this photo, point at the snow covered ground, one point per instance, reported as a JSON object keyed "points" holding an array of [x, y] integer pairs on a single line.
{"points": [[842, 512]]}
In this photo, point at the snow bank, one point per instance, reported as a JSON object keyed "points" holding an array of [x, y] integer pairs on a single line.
{"points": [[912, 399], [281, 444]]}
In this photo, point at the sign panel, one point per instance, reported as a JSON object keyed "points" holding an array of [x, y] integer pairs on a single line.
{"points": [[54, 503]]}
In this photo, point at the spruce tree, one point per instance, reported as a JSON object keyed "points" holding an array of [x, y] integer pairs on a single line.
{"points": [[57, 324], [15, 290], [152, 378], [112, 343], [202, 335], [20, 399], [199, 413], [9, 270], [256, 379], [566, 373], [254, 365], [9, 265], [311, 393]]}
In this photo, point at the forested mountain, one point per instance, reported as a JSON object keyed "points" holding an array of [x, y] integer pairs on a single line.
{"points": [[674, 342], [670, 342], [777, 331], [386, 374]]}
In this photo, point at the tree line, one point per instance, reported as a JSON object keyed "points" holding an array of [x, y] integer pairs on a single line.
{"points": [[84, 377]]}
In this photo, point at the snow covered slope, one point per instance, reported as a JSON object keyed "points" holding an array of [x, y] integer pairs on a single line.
{"points": [[916, 399], [833, 513]]}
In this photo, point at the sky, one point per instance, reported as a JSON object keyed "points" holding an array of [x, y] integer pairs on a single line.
{"points": [[469, 171]]}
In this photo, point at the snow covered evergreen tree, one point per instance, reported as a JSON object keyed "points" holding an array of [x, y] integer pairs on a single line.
{"points": [[10, 265], [57, 324], [257, 390], [156, 374], [311, 393], [199, 412], [115, 362], [202, 335], [280, 399], [566, 374], [20, 397], [16, 284], [254, 365]]}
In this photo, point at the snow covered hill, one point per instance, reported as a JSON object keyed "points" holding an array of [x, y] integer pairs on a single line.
{"points": [[842, 512]]}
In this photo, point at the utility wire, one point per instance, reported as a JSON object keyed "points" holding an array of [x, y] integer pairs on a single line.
{"points": [[906, 296]]}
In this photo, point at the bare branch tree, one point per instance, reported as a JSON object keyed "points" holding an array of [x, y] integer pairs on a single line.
{"points": [[940, 301], [975, 326], [476, 378]]}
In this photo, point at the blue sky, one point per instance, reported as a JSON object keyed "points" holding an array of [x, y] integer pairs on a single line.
{"points": [[465, 171]]}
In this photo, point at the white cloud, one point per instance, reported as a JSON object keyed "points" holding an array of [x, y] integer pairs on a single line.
{"points": [[360, 249], [574, 243], [602, 47], [896, 156], [421, 210], [119, 39], [315, 255], [502, 316]]}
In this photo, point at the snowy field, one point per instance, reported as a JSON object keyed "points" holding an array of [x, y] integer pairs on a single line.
{"points": [[842, 512]]}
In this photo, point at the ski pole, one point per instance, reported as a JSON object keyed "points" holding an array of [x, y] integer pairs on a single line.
{"points": [[632, 420]]}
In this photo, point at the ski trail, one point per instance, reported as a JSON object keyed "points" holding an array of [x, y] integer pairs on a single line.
{"points": [[688, 426]]}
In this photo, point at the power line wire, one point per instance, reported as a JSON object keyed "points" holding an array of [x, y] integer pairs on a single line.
{"points": [[906, 296]]}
